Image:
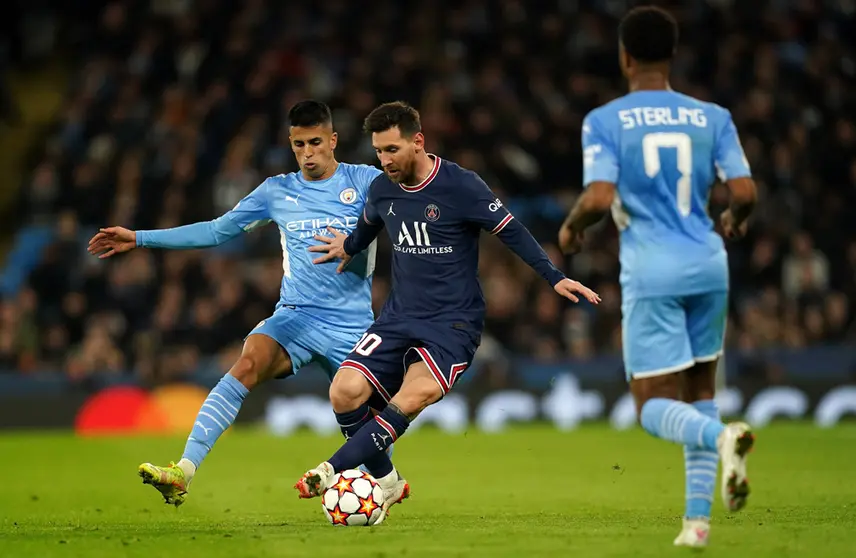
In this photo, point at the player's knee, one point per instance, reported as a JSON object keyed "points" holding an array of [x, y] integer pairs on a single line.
{"points": [[261, 359], [246, 370], [251, 369], [667, 386], [699, 382], [349, 390]]}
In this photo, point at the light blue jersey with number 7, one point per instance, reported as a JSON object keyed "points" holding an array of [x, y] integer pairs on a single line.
{"points": [[663, 151]]}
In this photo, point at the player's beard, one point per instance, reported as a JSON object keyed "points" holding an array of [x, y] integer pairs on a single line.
{"points": [[406, 174]]}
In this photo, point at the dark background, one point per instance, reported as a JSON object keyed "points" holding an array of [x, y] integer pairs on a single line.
{"points": [[152, 114]]}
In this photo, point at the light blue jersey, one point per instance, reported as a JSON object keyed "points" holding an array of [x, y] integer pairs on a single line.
{"points": [[302, 209], [663, 151], [321, 314]]}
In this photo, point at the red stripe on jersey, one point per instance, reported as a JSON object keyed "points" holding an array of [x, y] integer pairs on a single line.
{"points": [[497, 229], [427, 180]]}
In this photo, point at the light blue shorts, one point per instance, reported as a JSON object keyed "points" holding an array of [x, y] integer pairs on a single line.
{"points": [[308, 340], [664, 335]]}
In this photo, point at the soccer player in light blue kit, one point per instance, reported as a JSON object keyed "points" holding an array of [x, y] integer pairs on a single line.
{"points": [[321, 313], [652, 156]]}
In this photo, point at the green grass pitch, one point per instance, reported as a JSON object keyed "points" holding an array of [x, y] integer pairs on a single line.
{"points": [[532, 491]]}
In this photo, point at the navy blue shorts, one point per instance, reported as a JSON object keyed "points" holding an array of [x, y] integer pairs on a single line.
{"points": [[389, 347]]}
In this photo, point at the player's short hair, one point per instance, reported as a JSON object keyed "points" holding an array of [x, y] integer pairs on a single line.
{"points": [[309, 113], [390, 115], [649, 34]]}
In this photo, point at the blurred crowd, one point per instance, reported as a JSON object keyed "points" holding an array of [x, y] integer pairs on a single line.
{"points": [[176, 110]]}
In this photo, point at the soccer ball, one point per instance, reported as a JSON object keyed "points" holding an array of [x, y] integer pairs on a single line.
{"points": [[353, 499]]}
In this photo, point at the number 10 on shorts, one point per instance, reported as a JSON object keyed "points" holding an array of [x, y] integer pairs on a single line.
{"points": [[367, 344]]}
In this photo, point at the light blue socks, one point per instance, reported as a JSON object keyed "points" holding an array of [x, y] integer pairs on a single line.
{"points": [[217, 414]]}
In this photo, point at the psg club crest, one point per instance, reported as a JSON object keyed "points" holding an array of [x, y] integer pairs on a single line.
{"points": [[432, 212], [348, 195]]}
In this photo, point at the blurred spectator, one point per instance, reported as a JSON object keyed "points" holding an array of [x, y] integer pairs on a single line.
{"points": [[176, 110]]}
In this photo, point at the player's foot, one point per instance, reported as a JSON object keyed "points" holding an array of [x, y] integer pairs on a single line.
{"points": [[694, 533], [395, 491], [170, 481], [315, 481], [734, 445]]}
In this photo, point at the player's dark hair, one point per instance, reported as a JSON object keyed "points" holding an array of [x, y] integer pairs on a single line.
{"points": [[309, 113], [390, 115], [649, 34]]}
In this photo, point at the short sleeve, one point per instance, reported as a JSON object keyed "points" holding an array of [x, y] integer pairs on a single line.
{"points": [[252, 211], [600, 157], [485, 209], [364, 175], [730, 159]]}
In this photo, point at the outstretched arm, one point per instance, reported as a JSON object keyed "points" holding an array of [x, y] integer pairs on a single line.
{"points": [[197, 235], [518, 238], [115, 240], [488, 212], [250, 212], [521, 242]]}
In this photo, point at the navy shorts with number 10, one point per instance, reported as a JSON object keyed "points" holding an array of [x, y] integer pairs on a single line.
{"points": [[389, 347]]}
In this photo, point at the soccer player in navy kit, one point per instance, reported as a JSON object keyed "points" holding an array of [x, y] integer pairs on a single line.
{"points": [[431, 324]]}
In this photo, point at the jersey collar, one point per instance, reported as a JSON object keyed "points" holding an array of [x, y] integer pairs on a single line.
{"points": [[428, 178]]}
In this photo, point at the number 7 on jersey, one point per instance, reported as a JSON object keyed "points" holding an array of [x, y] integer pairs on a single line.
{"points": [[651, 146]]}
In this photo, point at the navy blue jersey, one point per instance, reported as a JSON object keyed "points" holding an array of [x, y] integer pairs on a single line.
{"points": [[434, 227]]}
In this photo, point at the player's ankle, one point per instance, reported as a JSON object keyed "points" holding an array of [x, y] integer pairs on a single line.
{"points": [[388, 480], [188, 468]]}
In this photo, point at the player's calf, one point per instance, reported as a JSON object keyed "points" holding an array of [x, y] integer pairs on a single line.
{"points": [[369, 442], [261, 359], [349, 395]]}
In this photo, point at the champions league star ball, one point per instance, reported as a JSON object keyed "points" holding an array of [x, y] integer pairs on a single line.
{"points": [[353, 499]]}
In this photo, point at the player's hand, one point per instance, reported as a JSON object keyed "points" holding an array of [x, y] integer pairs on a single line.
{"points": [[570, 242], [335, 248], [726, 219], [569, 289], [112, 241]]}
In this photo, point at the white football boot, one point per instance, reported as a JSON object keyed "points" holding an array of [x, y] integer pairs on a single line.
{"points": [[694, 533], [395, 490], [315, 481], [734, 445]]}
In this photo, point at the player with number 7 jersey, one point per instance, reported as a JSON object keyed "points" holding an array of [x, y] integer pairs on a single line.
{"points": [[652, 156], [663, 150]]}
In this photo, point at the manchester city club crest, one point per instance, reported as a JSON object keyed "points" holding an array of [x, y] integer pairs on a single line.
{"points": [[432, 212], [348, 195]]}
